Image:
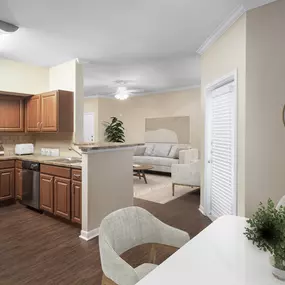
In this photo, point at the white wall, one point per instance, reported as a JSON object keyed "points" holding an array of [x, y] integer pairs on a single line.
{"points": [[224, 56], [265, 132], [69, 76], [23, 78]]}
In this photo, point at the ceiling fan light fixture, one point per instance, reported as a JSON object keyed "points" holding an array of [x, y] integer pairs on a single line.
{"points": [[122, 93], [7, 28]]}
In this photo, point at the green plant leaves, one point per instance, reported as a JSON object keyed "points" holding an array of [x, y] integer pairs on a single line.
{"points": [[267, 230], [114, 132]]}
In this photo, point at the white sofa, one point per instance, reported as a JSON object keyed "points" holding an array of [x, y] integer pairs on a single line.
{"points": [[161, 156]]}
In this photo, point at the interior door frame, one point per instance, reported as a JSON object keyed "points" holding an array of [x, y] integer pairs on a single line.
{"points": [[231, 77]]}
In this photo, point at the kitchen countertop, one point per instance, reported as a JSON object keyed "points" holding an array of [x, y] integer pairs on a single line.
{"points": [[43, 159], [85, 147]]}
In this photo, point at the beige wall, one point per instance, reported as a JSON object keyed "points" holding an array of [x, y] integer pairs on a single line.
{"points": [[226, 55], [134, 111], [23, 78], [265, 133], [69, 76], [107, 185]]}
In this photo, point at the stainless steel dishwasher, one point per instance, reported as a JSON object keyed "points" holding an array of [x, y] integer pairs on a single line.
{"points": [[31, 184]]}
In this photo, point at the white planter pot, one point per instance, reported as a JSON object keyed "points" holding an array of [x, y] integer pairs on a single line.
{"points": [[278, 273]]}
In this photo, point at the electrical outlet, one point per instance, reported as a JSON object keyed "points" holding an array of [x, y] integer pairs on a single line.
{"points": [[43, 151], [54, 152]]}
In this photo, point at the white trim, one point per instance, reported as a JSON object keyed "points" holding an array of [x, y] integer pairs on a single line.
{"points": [[89, 235], [233, 76], [202, 210], [234, 16]]}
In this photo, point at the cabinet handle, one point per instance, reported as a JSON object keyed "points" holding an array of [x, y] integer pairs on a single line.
{"points": [[38, 124], [76, 175]]}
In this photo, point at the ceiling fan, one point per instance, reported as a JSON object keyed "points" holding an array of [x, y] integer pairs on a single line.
{"points": [[123, 92], [6, 28]]}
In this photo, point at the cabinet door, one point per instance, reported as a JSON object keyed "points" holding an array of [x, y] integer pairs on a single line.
{"points": [[33, 114], [62, 197], [11, 114], [6, 184], [3, 114], [18, 183], [49, 113], [76, 202], [46, 193]]}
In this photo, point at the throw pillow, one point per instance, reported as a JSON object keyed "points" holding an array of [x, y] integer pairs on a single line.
{"points": [[148, 151], [173, 151], [161, 150], [140, 150]]}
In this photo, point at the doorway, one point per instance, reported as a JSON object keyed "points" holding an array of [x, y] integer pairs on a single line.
{"points": [[221, 147], [88, 126]]}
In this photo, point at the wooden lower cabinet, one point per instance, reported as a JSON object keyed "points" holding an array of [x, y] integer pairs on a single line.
{"points": [[47, 193], [7, 184], [60, 192], [76, 202], [18, 183], [62, 197]]}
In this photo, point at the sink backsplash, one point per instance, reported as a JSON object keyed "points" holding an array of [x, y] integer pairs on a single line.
{"points": [[61, 141], [10, 140]]}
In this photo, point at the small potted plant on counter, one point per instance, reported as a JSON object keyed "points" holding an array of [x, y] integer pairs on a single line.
{"points": [[267, 231]]}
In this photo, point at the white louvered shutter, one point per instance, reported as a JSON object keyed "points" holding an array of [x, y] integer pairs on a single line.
{"points": [[223, 190]]}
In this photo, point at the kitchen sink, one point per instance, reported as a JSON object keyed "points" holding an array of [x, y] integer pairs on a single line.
{"points": [[67, 160]]}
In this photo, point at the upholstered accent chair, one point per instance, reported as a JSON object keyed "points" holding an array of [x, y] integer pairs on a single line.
{"points": [[127, 228], [186, 174], [281, 203]]}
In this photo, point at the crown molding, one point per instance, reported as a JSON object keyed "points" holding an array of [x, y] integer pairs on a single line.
{"points": [[234, 16], [147, 93], [166, 90]]}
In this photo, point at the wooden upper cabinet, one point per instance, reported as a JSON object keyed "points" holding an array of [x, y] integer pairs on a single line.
{"points": [[33, 114], [11, 113], [53, 112], [49, 114]]}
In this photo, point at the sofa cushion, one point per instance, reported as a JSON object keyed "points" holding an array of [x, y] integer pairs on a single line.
{"points": [[174, 151], [154, 160], [149, 148], [139, 150], [161, 149]]}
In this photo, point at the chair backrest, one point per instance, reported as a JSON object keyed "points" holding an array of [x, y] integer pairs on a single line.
{"points": [[119, 232], [281, 203]]}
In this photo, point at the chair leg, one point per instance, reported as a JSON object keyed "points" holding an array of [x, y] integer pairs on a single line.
{"points": [[107, 281], [152, 258], [173, 189]]}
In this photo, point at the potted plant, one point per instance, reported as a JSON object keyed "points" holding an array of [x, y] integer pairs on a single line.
{"points": [[267, 231], [114, 131]]}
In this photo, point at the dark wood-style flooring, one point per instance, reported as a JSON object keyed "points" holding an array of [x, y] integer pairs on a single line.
{"points": [[37, 249]]}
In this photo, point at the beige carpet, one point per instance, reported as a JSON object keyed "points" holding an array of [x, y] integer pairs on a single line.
{"points": [[158, 189]]}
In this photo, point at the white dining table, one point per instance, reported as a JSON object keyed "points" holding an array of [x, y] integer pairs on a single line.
{"points": [[219, 255]]}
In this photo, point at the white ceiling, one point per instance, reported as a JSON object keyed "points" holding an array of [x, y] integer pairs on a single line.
{"points": [[152, 43]]}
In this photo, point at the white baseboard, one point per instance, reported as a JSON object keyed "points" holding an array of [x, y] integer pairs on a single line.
{"points": [[89, 235], [202, 210]]}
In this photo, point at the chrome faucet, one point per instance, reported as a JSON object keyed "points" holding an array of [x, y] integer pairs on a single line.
{"points": [[71, 148]]}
